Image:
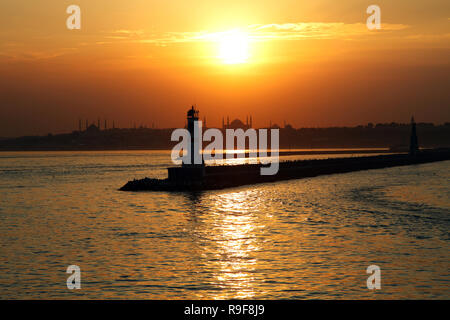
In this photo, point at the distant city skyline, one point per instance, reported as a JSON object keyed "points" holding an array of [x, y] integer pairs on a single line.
{"points": [[228, 123], [113, 124]]}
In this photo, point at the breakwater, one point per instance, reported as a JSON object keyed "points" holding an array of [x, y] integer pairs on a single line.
{"points": [[226, 176]]}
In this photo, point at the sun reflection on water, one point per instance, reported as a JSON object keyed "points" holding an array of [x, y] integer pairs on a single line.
{"points": [[232, 229], [236, 228]]}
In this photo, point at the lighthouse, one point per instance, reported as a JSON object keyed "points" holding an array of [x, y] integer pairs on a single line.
{"points": [[192, 170], [194, 127], [414, 144]]}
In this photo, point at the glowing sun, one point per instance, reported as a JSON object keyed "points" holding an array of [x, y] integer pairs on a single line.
{"points": [[233, 47]]}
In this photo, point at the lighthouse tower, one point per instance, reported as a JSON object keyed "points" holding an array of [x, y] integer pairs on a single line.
{"points": [[195, 130], [192, 170], [414, 144]]}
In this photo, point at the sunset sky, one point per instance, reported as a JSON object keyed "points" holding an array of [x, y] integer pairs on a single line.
{"points": [[310, 63]]}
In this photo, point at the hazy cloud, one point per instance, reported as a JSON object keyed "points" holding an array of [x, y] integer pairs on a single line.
{"points": [[317, 30], [287, 31]]}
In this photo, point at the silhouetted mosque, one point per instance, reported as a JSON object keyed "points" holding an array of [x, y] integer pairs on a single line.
{"points": [[92, 128], [237, 124]]}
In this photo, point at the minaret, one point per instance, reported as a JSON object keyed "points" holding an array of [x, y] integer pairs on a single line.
{"points": [[223, 123], [414, 144], [106, 125], [251, 122], [87, 123]]}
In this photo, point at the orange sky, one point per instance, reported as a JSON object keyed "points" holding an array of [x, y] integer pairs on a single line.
{"points": [[311, 63]]}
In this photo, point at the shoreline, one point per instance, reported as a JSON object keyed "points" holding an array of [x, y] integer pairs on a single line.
{"points": [[282, 152]]}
